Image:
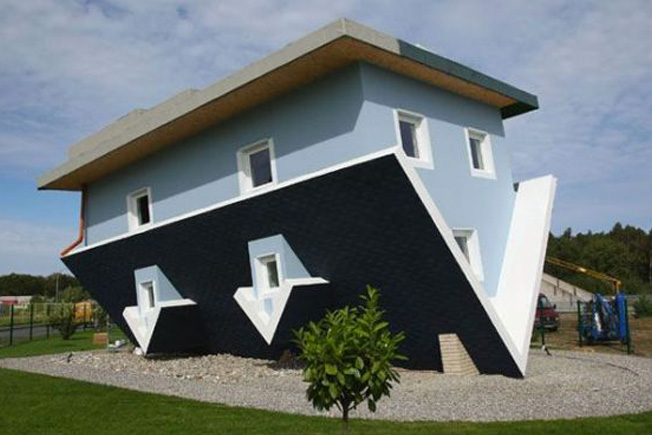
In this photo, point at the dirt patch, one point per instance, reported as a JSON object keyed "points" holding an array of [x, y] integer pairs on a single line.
{"points": [[567, 338]]}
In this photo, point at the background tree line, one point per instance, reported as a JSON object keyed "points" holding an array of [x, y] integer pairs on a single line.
{"points": [[43, 287], [624, 253]]}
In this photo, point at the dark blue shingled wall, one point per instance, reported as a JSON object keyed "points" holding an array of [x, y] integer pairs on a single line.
{"points": [[360, 225]]}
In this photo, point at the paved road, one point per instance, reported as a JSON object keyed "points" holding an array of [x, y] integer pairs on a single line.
{"points": [[21, 333]]}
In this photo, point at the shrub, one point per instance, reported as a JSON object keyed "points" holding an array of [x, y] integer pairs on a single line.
{"points": [[100, 317], [64, 320], [348, 357], [74, 294], [643, 306]]}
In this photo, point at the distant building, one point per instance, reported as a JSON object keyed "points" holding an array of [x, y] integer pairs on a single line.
{"points": [[18, 301], [224, 218], [563, 294]]}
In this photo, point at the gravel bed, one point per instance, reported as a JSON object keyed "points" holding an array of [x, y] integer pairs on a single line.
{"points": [[564, 385]]}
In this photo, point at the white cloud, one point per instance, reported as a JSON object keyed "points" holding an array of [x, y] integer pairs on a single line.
{"points": [[69, 67], [75, 66]]}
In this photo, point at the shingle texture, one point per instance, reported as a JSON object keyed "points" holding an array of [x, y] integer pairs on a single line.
{"points": [[357, 226]]}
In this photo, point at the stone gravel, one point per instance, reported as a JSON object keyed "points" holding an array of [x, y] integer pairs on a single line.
{"points": [[564, 385]]}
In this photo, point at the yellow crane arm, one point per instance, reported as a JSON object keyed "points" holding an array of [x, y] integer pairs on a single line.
{"points": [[581, 269]]}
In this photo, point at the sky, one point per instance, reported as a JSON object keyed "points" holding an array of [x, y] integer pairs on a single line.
{"points": [[70, 67]]}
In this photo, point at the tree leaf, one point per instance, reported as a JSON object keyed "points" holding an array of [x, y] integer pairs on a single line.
{"points": [[330, 369], [333, 391]]}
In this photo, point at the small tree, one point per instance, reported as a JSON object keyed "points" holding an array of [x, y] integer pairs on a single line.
{"points": [[63, 319], [348, 356]]}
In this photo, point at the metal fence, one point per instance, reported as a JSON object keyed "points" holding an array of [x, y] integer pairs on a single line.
{"points": [[31, 321], [566, 336]]}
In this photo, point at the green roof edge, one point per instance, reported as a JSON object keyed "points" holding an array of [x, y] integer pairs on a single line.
{"points": [[526, 102]]}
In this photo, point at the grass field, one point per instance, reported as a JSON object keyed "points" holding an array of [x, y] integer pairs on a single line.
{"points": [[35, 404], [78, 342]]}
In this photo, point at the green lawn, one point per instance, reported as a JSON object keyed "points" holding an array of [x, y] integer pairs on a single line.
{"points": [[78, 342], [35, 404]]}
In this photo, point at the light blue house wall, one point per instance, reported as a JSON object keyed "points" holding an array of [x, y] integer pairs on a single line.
{"points": [[164, 291], [465, 201], [290, 265], [343, 116], [313, 128]]}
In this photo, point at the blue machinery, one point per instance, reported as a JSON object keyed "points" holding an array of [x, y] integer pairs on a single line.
{"points": [[603, 320]]}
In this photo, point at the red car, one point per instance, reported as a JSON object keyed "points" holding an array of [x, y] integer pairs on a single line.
{"points": [[546, 311]]}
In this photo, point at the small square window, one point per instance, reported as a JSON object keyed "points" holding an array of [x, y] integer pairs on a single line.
{"points": [[268, 277], [148, 298], [257, 166], [480, 154], [467, 240], [414, 139], [139, 206]]}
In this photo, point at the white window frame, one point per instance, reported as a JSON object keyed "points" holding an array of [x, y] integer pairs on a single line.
{"points": [[132, 208], [143, 295], [424, 145], [486, 150], [473, 246], [244, 166], [261, 272]]}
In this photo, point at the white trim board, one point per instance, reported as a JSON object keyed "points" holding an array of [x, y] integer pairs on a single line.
{"points": [[245, 176], [520, 278], [424, 143], [132, 209], [486, 149]]}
